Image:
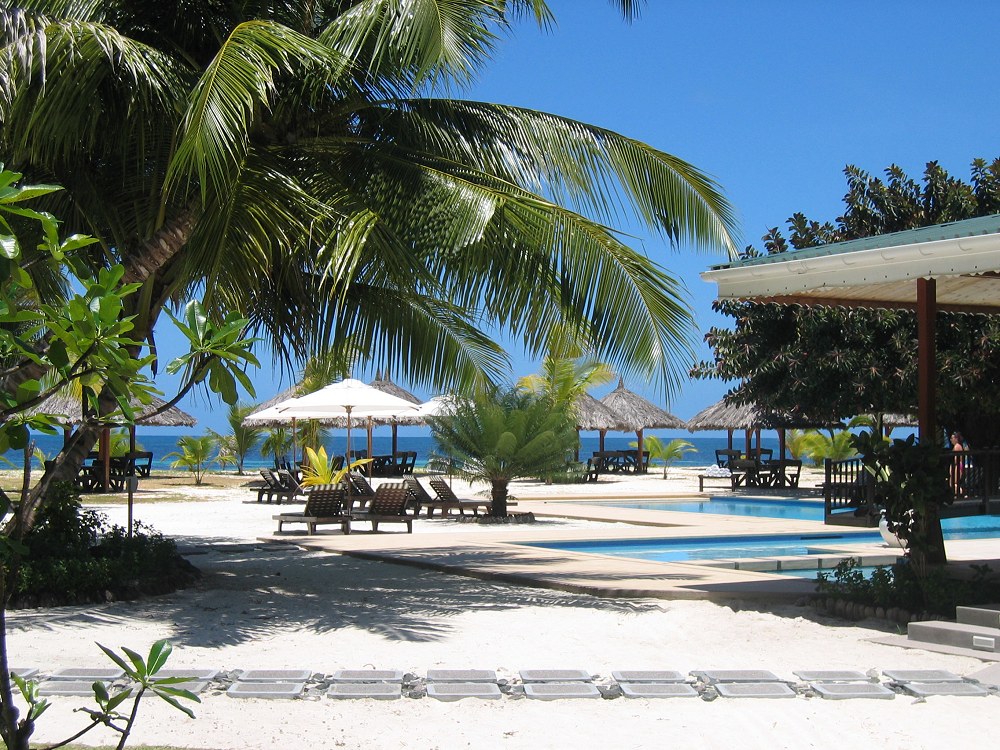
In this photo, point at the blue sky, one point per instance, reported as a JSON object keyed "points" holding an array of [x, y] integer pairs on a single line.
{"points": [[772, 99]]}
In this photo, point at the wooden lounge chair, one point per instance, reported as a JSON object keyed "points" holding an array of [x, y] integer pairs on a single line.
{"points": [[445, 493], [423, 499], [388, 506], [276, 488], [326, 504], [360, 490]]}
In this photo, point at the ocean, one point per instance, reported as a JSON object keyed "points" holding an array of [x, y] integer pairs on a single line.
{"points": [[163, 442]]}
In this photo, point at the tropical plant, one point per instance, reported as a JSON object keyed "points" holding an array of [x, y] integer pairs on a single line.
{"points": [[797, 443], [195, 455], [285, 159], [499, 436], [141, 673], [321, 469], [911, 486], [278, 443], [665, 453], [564, 379], [828, 362], [242, 439]]}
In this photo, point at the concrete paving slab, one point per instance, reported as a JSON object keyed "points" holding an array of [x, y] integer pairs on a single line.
{"points": [[921, 675], [266, 689], [754, 690], [657, 690], [193, 686], [68, 687], [454, 691], [461, 675], [647, 676], [368, 675], [845, 690], [554, 675], [275, 675], [926, 689], [108, 674], [713, 676], [901, 641], [382, 691], [831, 675], [990, 676], [553, 691], [25, 673]]}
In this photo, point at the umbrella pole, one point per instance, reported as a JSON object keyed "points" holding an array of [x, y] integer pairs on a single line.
{"points": [[370, 454]]}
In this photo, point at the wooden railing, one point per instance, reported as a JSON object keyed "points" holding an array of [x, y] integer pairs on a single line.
{"points": [[973, 475]]}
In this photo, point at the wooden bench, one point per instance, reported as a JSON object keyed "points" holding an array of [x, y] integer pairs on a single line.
{"points": [[702, 477], [326, 504]]}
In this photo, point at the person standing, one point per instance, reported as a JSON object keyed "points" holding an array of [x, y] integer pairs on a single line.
{"points": [[957, 463]]}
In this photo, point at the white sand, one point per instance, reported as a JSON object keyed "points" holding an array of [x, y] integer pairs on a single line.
{"points": [[267, 607]]}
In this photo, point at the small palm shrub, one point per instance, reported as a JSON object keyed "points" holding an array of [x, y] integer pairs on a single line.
{"points": [[195, 455]]}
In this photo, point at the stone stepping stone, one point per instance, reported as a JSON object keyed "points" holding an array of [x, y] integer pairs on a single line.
{"points": [[844, 690], [194, 686], [25, 673], [194, 674], [987, 676], [754, 690], [554, 675], [266, 689], [275, 675], [461, 675], [68, 687], [831, 675], [368, 675], [713, 676], [921, 675], [647, 676], [454, 691], [657, 690], [553, 691], [88, 673], [925, 689], [378, 690]]}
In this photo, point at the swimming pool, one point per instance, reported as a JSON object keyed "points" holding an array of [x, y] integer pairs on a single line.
{"points": [[797, 509], [714, 548]]}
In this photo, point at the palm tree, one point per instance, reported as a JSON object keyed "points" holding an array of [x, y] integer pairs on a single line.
{"points": [[497, 437], [666, 452], [194, 455], [242, 439], [277, 443], [564, 379], [289, 162]]}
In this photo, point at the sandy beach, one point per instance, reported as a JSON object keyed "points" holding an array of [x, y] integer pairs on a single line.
{"points": [[274, 606]]}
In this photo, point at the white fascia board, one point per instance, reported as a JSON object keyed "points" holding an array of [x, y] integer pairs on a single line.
{"points": [[952, 257]]}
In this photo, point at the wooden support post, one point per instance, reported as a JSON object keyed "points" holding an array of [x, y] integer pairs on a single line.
{"points": [[926, 355]]}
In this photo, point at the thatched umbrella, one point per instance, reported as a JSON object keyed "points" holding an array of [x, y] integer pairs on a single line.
{"points": [[751, 418], [591, 414], [387, 386], [70, 408], [638, 414]]}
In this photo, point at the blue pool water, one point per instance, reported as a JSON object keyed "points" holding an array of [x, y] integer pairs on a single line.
{"points": [[712, 548], [967, 527]]}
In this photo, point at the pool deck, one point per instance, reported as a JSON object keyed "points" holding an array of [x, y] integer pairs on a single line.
{"points": [[499, 553]]}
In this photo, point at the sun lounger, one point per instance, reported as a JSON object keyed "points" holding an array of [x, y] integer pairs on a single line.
{"points": [[444, 492], [423, 499], [387, 506], [326, 504], [272, 487]]}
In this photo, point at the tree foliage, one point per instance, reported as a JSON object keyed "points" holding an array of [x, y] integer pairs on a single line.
{"points": [[831, 363]]}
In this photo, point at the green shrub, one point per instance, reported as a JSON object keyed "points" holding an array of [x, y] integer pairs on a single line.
{"points": [[75, 556], [898, 585]]}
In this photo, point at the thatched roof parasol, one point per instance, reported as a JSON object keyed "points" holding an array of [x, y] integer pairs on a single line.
{"points": [[726, 416], [70, 407], [387, 386], [636, 413], [591, 414]]}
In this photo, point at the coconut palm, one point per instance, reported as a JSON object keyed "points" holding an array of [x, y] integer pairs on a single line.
{"points": [[195, 454], [242, 439], [496, 437], [287, 160], [278, 443], [666, 453], [564, 379]]}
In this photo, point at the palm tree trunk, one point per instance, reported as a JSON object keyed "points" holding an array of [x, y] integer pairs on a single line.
{"points": [[499, 496]]}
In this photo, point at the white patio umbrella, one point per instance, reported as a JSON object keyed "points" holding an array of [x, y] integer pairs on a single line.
{"points": [[348, 398]]}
